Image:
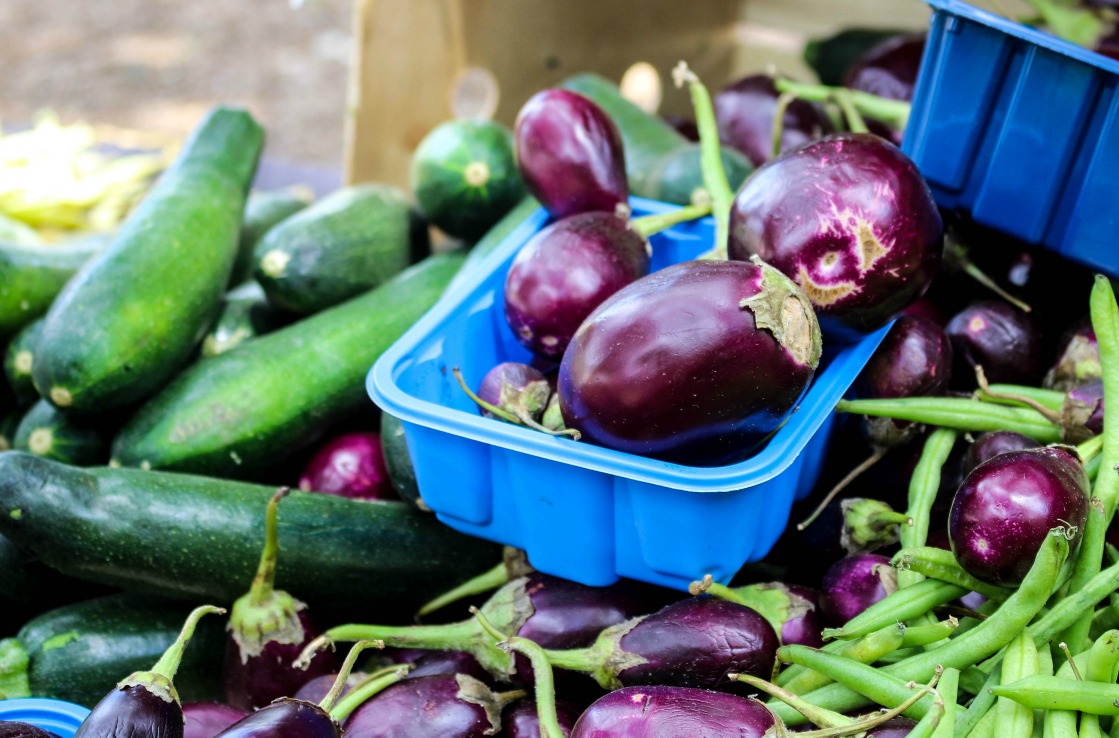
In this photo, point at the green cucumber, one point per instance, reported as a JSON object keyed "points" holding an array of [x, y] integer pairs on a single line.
{"points": [[129, 321], [831, 57], [345, 244], [200, 538], [464, 176], [32, 276], [245, 314], [79, 652], [398, 460], [19, 359], [646, 138], [678, 177], [235, 414], [9, 422], [48, 432], [264, 209]]}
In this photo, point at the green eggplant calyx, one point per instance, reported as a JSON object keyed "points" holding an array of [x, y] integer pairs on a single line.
{"points": [[255, 625]]}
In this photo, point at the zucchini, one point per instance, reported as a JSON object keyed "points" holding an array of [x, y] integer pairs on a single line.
{"points": [[678, 177], [398, 460], [235, 414], [16, 582], [32, 276], [245, 314], [129, 321], [264, 210], [345, 244], [48, 432], [465, 177], [19, 359], [79, 652], [200, 538]]}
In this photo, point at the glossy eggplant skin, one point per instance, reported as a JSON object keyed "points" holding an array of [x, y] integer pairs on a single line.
{"points": [[853, 584], [207, 719], [14, 729], [744, 111], [991, 444], [570, 154], [521, 720], [284, 718], [1001, 338], [850, 219], [133, 712], [913, 360], [674, 367], [888, 70], [428, 707], [672, 712]]}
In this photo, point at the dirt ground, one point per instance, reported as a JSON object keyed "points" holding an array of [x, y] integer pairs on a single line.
{"points": [[157, 65]]}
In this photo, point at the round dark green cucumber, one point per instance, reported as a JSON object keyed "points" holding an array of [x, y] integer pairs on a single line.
{"points": [[18, 361], [464, 176], [133, 317], [398, 460], [79, 652], [678, 177], [343, 245], [236, 414], [264, 209], [32, 276], [200, 538], [245, 314], [48, 432]]}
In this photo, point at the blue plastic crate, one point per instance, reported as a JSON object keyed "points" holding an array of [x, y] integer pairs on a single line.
{"points": [[1020, 128], [583, 512], [57, 716]]}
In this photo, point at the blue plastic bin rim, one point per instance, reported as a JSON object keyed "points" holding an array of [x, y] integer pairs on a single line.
{"points": [[1033, 35], [779, 453], [42, 712]]}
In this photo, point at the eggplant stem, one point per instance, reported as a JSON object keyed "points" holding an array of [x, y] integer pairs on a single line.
{"points": [[367, 688], [327, 703], [985, 388], [169, 662], [1071, 661], [265, 579], [855, 120], [783, 101], [649, 225], [708, 585], [485, 582], [513, 417], [894, 113], [303, 660], [852, 475]]}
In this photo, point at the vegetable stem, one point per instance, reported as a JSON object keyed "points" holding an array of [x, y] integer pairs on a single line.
{"points": [[361, 693], [335, 692], [168, 664], [648, 225], [265, 579], [894, 113]]}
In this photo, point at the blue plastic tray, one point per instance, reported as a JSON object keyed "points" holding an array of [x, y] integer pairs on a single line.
{"points": [[1019, 127], [56, 716], [584, 512]]}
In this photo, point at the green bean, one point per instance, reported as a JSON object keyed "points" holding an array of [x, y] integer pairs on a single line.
{"points": [[923, 486], [1057, 693], [960, 414], [904, 604], [936, 563], [1065, 613], [947, 687], [816, 715], [1020, 661], [985, 728], [865, 650], [1059, 724], [1052, 399], [923, 635], [972, 679], [928, 726], [979, 707]]}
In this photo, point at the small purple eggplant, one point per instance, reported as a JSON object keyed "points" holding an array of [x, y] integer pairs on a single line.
{"points": [[991, 444], [1007, 505], [518, 389], [999, 337], [1082, 412], [14, 729], [207, 719], [792, 609], [745, 110], [268, 629], [695, 363], [888, 70], [851, 220], [521, 720], [570, 154], [350, 465], [566, 271], [146, 703], [1078, 358], [853, 584], [653, 711]]}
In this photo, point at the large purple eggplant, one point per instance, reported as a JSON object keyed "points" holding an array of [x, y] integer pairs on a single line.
{"points": [[566, 271], [672, 712], [1007, 505], [570, 154], [851, 220], [522, 721], [207, 719], [15, 729], [695, 363], [1078, 358], [853, 584], [999, 337], [746, 108], [694, 642], [268, 629], [350, 465], [145, 704], [888, 70]]}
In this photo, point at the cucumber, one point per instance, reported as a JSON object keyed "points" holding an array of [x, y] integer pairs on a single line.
{"points": [[245, 314], [398, 460], [678, 177], [79, 652], [464, 176], [130, 320], [48, 432], [831, 57], [19, 359], [345, 244], [32, 276], [263, 210], [235, 414], [646, 138], [200, 538]]}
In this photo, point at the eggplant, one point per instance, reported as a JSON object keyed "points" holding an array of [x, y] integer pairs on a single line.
{"points": [[1008, 504], [316, 688], [16, 729], [1082, 412], [268, 629], [851, 220], [746, 108], [853, 584], [521, 720], [566, 271], [999, 337], [145, 704], [349, 465], [888, 70], [695, 363], [646, 712], [792, 609], [570, 154], [207, 719], [992, 443], [1078, 358], [517, 388]]}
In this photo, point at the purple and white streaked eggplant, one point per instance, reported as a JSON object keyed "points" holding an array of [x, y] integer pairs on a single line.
{"points": [[695, 363], [853, 584], [207, 719], [999, 337], [350, 465], [268, 629], [146, 703], [1078, 358], [848, 218], [643, 712], [745, 110], [570, 154]]}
